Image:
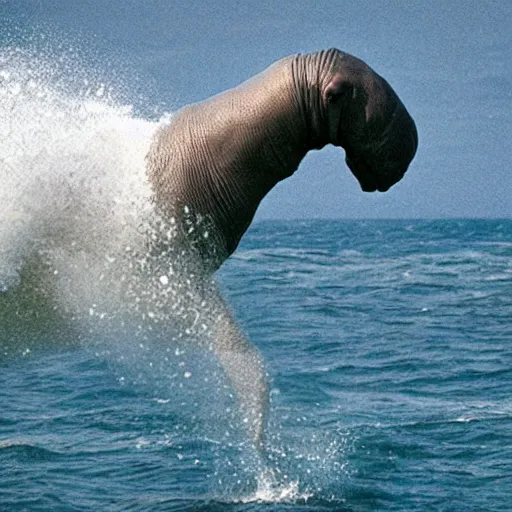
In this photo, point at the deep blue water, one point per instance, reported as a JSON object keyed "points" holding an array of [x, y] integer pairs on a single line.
{"points": [[388, 345]]}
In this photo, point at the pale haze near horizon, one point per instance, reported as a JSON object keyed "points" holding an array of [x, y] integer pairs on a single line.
{"points": [[451, 63]]}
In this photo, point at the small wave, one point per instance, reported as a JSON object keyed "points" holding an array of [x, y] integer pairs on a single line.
{"points": [[21, 450], [499, 277], [464, 419]]}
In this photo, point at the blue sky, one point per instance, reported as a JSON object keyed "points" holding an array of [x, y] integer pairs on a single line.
{"points": [[451, 63]]}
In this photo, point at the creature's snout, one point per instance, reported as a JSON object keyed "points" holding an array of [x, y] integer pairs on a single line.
{"points": [[371, 180], [378, 134], [382, 162]]}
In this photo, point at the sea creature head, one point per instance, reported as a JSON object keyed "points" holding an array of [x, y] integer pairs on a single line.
{"points": [[373, 126]]}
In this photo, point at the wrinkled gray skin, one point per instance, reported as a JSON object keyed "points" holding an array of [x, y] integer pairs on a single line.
{"points": [[216, 160]]}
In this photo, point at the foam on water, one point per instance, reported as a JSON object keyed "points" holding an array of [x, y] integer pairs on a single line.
{"points": [[271, 490]]}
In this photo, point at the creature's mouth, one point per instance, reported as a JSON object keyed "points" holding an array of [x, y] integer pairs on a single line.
{"points": [[367, 179], [366, 186]]}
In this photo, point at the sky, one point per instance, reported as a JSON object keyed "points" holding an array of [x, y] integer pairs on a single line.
{"points": [[450, 62]]}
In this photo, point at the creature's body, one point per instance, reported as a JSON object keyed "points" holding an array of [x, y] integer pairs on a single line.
{"points": [[217, 159]]}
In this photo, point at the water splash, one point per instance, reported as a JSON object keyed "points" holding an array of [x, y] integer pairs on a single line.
{"points": [[72, 165], [270, 489], [80, 238], [77, 226]]}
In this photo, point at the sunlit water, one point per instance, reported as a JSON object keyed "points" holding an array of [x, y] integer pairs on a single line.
{"points": [[387, 343]]}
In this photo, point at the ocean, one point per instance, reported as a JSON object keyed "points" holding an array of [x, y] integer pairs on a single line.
{"points": [[388, 348], [386, 342]]}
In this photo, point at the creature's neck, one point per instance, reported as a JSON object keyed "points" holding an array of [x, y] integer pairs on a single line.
{"points": [[310, 73], [286, 99]]}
